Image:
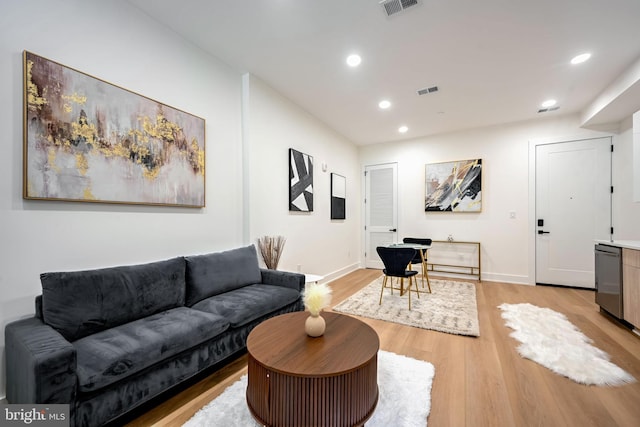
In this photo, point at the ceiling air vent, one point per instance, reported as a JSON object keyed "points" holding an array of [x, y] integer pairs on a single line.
{"points": [[391, 7], [546, 110], [428, 90]]}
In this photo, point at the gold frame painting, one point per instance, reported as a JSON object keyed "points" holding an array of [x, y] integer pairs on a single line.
{"points": [[87, 140], [454, 186]]}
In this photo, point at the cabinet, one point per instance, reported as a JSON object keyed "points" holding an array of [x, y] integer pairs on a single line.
{"points": [[631, 286], [455, 257]]}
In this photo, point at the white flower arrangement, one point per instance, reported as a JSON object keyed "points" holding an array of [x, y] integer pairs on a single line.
{"points": [[315, 297]]}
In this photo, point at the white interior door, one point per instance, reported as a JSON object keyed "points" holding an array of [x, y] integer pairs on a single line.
{"points": [[573, 208], [381, 210]]}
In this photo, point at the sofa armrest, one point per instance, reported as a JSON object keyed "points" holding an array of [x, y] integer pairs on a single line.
{"points": [[41, 364], [283, 278]]}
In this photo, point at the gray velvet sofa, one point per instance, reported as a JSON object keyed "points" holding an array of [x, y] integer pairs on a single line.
{"points": [[105, 341]]}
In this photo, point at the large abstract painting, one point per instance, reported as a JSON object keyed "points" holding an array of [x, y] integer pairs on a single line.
{"points": [[88, 140], [300, 181], [454, 186], [338, 196]]}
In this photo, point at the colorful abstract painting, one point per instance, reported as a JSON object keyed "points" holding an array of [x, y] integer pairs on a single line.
{"points": [[338, 196], [300, 181], [88, 140], [454, 186]]}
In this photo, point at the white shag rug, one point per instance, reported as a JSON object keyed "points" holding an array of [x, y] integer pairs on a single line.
{"points": [[450, 307], [549, 339], [404, 387]]}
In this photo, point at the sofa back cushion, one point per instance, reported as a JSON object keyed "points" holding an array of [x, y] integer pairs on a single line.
{"points": [[81, 303], [216, 273]]}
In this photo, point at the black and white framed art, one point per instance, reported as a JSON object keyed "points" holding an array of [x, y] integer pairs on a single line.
{"points": [[338, 196], [300, 181]]}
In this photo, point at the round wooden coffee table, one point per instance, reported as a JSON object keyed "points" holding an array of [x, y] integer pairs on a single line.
{"points": [[296, 380]]}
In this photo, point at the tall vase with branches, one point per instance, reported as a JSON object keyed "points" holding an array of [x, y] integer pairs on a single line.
{"points": [[271, 249]]}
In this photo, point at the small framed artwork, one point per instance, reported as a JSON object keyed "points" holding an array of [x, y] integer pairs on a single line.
{"points": [[300, 181], [338, 196], [87, 140], [454, 186]]}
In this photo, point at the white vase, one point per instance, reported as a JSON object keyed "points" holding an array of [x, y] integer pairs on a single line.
{"points": [[314, 325]]}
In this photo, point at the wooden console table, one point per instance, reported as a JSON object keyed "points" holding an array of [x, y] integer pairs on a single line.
{"points": [[295, 380], [471, 265]]}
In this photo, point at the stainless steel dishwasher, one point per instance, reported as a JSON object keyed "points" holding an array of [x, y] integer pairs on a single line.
{"points": [[608, 269]]}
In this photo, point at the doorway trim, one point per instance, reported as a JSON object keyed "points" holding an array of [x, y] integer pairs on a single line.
{"points": [[533, 144]]}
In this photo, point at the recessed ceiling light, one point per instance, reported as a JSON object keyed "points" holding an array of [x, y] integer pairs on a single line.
{"points": [[581, 58], [403, 129], [384, 104], [549, 103], [353, 60]]}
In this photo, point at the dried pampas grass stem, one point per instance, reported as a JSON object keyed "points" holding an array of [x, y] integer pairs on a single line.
{"points": [[271, 248]]}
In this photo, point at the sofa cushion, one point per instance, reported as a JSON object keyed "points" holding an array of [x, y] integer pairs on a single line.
{"points": [[246, 304], [119, 352], [217, 273], [81, 303]]}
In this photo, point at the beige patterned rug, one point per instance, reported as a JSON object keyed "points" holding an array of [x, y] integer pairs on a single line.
{"points": [[450, 308]]}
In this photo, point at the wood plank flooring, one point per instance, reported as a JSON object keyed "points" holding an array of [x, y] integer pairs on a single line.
{"points": [[479, 381]]}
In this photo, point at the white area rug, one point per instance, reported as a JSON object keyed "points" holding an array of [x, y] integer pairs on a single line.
{"points": [[549, 339], [451, 307], [404, 386]]}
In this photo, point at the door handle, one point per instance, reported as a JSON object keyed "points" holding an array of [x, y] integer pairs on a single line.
{"points": [[543, 232], [394, 230]]}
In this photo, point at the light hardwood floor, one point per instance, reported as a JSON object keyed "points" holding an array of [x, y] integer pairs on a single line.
{"points": [[479, 381]]}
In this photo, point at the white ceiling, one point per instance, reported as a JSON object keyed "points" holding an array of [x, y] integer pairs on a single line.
{"points": [[494, 61]]}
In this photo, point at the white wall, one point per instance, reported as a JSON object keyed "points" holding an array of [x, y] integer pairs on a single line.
{"points": [[314, 241], [626, 209], [504, 153], [636, 156], [113, 41]]}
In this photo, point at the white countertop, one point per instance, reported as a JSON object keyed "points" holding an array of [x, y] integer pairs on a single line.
{"points": [[629, 244]]}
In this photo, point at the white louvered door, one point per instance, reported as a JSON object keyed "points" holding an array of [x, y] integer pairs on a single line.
{"points": [[381, 210]]}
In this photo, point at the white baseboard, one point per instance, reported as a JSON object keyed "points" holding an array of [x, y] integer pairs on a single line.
{"points": [[486, 277], [341, 272], [3, 400], [329, 277], [506, 278]]}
